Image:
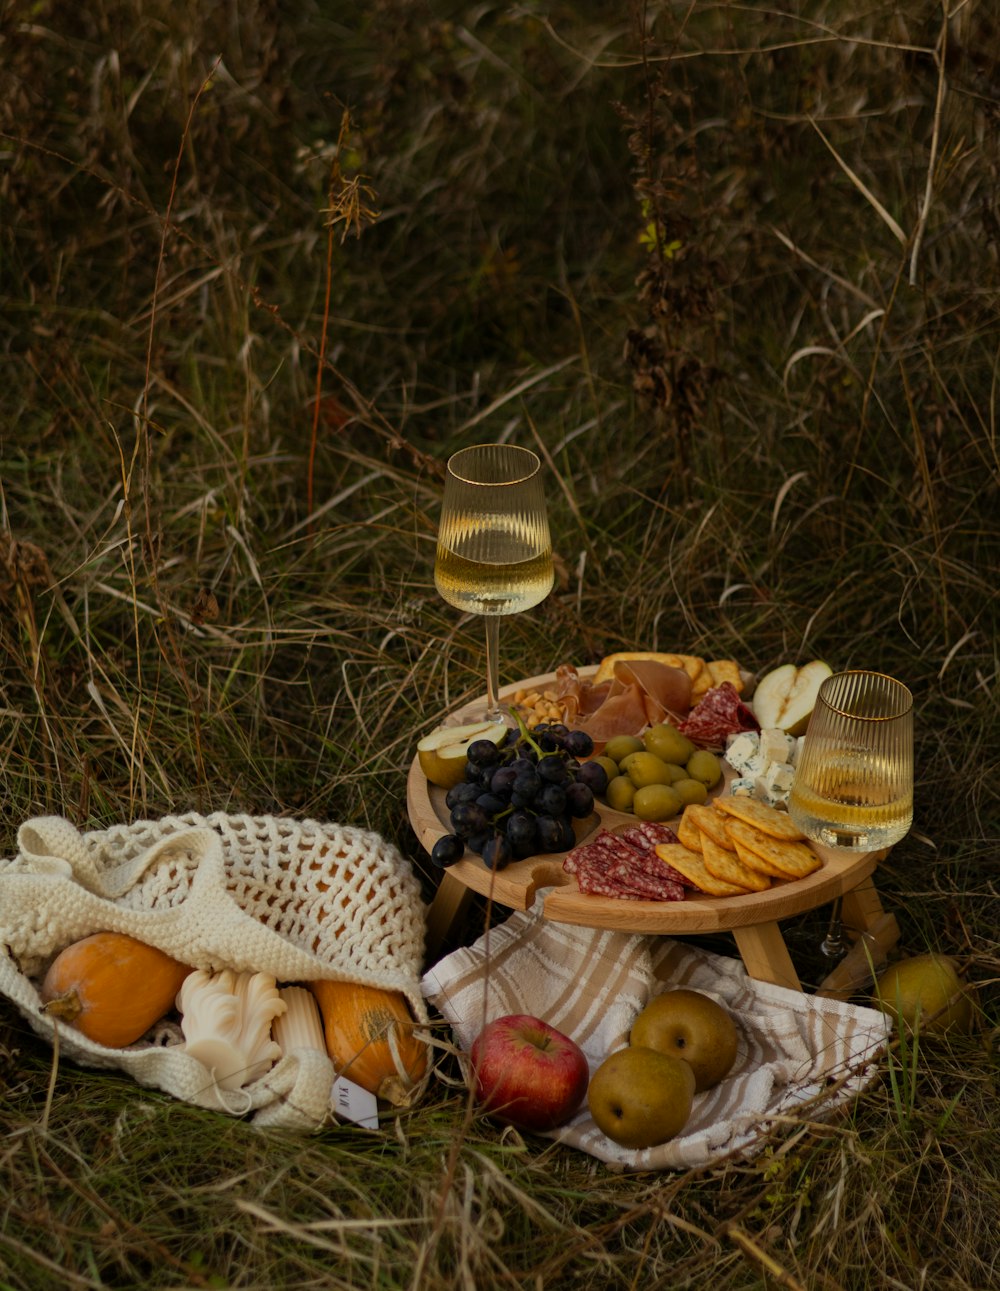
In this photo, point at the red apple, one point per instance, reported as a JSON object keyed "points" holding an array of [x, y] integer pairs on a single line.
{"points": [[527, 1073]]}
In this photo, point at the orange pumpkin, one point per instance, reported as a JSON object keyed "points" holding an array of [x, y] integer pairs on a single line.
{"points": [[111, 987], [362, 1026]]}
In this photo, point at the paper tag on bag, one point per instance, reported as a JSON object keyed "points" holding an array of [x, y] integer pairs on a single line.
{"points": [[352, 1103]]}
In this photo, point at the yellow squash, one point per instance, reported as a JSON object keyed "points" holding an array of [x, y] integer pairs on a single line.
{"points": [[363, 1025], [111, 987]]}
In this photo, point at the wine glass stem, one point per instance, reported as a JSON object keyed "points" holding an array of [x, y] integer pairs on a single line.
{"points": [[493, 713]]}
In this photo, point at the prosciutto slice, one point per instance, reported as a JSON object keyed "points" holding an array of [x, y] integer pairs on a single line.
{"points": [[640, 694]]}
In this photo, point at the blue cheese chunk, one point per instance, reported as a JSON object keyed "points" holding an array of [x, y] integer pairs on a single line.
{"points": [[774, 784], [743, 754], [742, 788]]}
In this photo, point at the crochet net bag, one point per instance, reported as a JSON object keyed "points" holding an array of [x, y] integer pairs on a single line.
{"points": [[297, 899]]}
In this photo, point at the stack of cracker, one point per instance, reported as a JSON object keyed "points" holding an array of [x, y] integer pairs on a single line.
{"points": [[733, 846]]}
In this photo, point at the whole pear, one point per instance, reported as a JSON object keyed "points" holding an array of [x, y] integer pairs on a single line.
{"points": [[925, 993], [640, 1097], [689, 1025]]}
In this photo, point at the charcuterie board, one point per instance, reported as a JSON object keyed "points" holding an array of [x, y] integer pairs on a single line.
{"points": [[516, 886]]}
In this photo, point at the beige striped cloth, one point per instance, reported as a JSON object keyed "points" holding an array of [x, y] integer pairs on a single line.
{"points": [[799, 1056]]}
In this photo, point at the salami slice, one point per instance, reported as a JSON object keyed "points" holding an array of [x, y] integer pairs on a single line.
{"points": [[645, 837], [654, 887], [720, 713], [593, 874]]}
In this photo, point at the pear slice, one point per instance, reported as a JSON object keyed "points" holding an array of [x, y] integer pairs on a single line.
{"points": [[443, 753], [786, 697]]}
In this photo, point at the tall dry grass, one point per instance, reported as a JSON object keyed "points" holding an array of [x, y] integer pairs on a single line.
{"points": [[734, 274]]}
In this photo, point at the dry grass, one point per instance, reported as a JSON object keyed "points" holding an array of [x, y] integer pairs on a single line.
{"points": [[796, 456]]}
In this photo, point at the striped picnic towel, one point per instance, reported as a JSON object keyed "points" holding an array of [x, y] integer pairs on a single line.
{"points": [[799, 1057]]}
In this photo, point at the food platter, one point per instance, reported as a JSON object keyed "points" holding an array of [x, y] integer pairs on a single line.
{"points": [[516, 886]]}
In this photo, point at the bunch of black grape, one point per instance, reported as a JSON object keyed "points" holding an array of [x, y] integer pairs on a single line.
{"points": [[520, 797]]}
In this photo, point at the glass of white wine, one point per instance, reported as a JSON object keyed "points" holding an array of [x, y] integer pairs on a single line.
{"points": [[853, 786], [494, 553]]}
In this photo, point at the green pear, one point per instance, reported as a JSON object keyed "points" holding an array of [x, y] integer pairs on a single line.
{"points": [[925, 993], [786, 696], [689, 1025], [640, 1097]]}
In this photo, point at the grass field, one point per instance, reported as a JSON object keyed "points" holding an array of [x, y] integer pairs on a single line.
{"points": [[733, 273]]}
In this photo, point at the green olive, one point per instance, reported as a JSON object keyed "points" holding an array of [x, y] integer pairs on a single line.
{"points": [[620, 794], [646, 768], [668, 743], [609, 765], [690, 791], [706, 767], [657, 802], [626, 761], [620, 746]]}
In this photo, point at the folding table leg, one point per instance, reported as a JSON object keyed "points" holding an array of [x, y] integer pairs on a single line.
{"points": [[447, 905], [765, 955]]}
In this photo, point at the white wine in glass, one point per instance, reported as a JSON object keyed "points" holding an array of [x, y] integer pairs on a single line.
{"points": [[494, 553], [853, 786]]}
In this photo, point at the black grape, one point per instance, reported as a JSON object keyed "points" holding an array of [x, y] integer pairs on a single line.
{"points": [[525, 789], [593, 775], [468, 818], [579, 799], [521, 829], [579, 744], [553, 770], [482, 753], [492, 804], [447, 850], [550, 834], [502, 779], [497, 852], [552, 799], [464, 791]]}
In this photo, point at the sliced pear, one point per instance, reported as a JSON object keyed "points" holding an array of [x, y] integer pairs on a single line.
{"points": [[786, 697], [443, 753]]}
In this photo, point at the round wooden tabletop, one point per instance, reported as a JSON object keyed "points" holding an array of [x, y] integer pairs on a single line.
{"points": [[515, 886]]}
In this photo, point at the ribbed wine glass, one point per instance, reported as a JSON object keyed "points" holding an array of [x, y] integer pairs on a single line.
{"points": [[494, 553], [853, 787]]}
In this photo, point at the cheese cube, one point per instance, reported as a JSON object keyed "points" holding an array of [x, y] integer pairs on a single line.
{"points": [[742, 788], [776, 745], [796, 756], [743, 753], [774, 785], [773, 797]]}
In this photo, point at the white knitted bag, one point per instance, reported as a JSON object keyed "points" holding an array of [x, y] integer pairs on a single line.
{"points": [[297, 899]]}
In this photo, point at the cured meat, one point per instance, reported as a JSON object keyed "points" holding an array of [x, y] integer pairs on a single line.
{"points": [[645, 836], [639, 694], [622, 712], [654, 887], [719, 714], [592, 865], [610, 865], [666, 691]]}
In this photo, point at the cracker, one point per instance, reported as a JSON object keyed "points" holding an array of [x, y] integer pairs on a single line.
{"points": [[754, 861], [791, 860], [708, 821], [691, 865], [769, 820], [688, 830], [727, 866], [722, 670]]}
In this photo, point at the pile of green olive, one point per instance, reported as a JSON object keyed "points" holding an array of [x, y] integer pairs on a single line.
{"points": [[655, 777]]}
